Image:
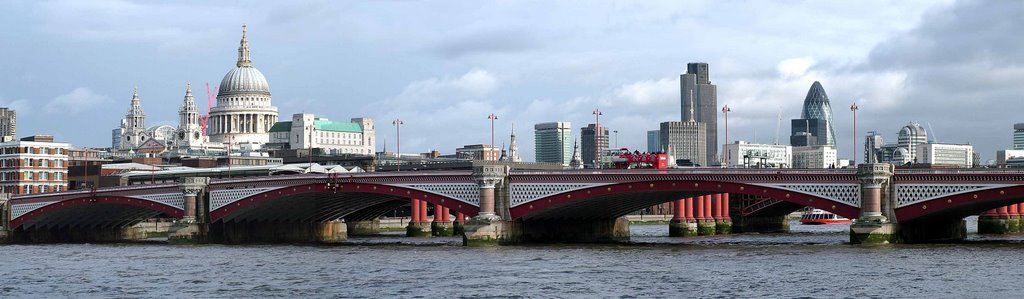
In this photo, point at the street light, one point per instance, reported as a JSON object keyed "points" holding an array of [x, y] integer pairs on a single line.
{"points": [[398, 136], [309, 167], [854, 108], [597, 137], [492, 117], [726, 111]]}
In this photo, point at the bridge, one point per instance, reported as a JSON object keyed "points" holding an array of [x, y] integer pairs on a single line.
{"points": [[496, 205]]}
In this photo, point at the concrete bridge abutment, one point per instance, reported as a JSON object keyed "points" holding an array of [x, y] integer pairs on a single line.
{"points": [[363, 228]]}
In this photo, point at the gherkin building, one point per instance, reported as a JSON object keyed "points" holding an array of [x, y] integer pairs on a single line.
{"points": [[816, 106]]}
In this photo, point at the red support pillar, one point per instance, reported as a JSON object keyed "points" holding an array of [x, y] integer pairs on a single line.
{"points": [[991, 212], [438, 213], [423, 211], [1013, 210], [679, 210], [460, 217], [698, 207], [1002, 211], [725, 206], [415, 212], [716, 204], [707, 206], [688, 209], [446, 216], [1020, 209]]}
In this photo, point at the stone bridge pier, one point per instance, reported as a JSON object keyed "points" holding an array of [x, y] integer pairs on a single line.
{"points": [[193, 227], [878, 224], [494, 225], [5, 218]]}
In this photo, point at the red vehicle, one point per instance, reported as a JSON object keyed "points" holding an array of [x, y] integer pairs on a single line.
{"points": [[637, 160]]}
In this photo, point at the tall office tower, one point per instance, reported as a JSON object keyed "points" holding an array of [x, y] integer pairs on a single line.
{"points": [[873, 147], [685, 141], [704, 106], [8, 124], [553, 142], [909, 137], [593, 145], [815, 120], [654, 141], [1018, 134]]}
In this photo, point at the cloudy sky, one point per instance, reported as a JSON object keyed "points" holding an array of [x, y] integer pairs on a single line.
{"points": [[68, 67]]}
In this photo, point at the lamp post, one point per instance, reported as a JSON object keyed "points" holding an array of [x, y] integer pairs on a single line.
{"points": [[854, 108], [398, 148], [309, 167], [597, 137], [491, 117], [726, 111]]}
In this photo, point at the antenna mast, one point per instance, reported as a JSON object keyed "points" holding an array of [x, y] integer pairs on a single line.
{"points": [[778, 124], [935, 138]]}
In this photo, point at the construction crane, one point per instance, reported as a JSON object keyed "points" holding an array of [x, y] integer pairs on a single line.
{"points": [[210, 95]]}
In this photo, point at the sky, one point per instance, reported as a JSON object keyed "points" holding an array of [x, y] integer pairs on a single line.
{"points": [[957, 67]]}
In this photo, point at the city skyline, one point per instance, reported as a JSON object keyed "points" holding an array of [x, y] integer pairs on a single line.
{"points": [[81, 67]]}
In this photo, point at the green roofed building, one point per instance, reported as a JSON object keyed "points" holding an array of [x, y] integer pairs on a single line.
{"points": [[305, 130]]}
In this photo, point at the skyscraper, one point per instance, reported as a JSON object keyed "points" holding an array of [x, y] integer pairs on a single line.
{"points": [[873, 147], [654, 141], [553, 142], [814, 127], [592, 144], [1018, 135], [697, 83], [686, 140], [8, 124]]}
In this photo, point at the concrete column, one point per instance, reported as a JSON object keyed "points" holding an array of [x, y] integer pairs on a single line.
{"points": [[726, 206], [872, 226], [418, 226], [707, 207], [441, 226]]}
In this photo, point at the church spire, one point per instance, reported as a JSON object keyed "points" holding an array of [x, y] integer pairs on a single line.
{"points": [[691, 106], [513, 150], [243, 51]]}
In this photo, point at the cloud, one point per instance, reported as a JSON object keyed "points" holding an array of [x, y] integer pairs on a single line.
{"points": [[487, 40], [473, 84], [77, 101], [21, 106]]}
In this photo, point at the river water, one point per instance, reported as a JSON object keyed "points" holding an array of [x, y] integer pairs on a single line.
{"points": [[811, 261]]}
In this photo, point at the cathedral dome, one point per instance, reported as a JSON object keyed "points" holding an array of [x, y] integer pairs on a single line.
{"points": [[244, 79]]}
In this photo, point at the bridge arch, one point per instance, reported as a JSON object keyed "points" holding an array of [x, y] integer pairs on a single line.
{"points": [[614, 200], [94, 211], [958, 206], [332, 201]]}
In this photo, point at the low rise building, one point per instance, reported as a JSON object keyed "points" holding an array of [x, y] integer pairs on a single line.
{"points": [[945, 154], [306, 130], [815, 156], [484, 152], [744, 154], [34, 164]]}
